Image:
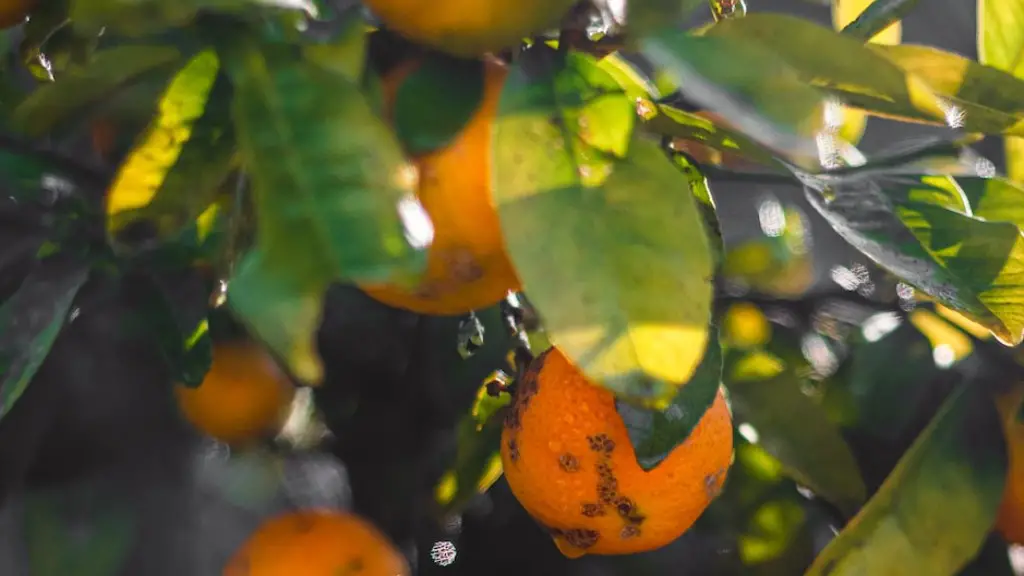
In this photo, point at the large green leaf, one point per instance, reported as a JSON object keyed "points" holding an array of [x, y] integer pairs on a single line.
{"points": [[655, 433], [332, 189], [31, 320], [751, 88], [933, 512], [838, 64], [766, 394], [174, 171], [984, 99], [59, 103], [994, 199], [604, 235]]}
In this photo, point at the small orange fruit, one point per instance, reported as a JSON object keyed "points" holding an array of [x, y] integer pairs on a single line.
{"points": [[1010, 522], [569, 461], [467, 267], [317, 543], [469, 27], [243, 398], [14, 12]]}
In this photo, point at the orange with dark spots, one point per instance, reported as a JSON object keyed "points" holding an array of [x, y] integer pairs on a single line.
{"points": [[467, 267], [569, 461], [317, 543], [1010, 522]]}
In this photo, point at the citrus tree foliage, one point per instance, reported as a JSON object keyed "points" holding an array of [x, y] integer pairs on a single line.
{"points": [[253, 140]]}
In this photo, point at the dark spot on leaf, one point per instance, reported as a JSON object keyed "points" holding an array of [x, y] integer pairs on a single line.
{"points": [[568, 463], [591, 510]]}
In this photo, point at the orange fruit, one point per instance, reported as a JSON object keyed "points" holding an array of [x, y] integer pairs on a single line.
{"points": [[1010, 521], [244, 397], [469, 27], [317, 543], [467, 267], [569, 461], [14, 12]]}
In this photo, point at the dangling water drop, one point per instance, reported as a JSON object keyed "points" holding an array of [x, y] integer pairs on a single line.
{"points": [[722, 9], [471, 335], [220, 294]]}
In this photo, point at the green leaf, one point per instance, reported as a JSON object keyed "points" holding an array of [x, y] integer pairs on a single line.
{"points": [[344, 47], [477, 458], [994, 199], [281, 310], [333, 192], [883, 377], [655, 433], [842, 66], [590, 229], [877, 17], [436, 100], [751, 88], [178, 315], [646, 16], [174, 171], [141, 17], [983, 99], [933, 512], [767, 395], [53, 105], [706, 202], [31, 320]]}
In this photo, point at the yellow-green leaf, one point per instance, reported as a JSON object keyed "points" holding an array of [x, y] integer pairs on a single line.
{"points": [[983, 99], [1001, 45], [171, 160], [933, 512], [839, 65]]}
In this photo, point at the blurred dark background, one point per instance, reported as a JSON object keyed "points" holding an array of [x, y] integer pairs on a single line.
{"points": [[149, 491]]}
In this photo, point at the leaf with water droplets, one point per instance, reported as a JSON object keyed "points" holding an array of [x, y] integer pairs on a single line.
{"points": [[602, 229], [31, 320], [969, 264]]}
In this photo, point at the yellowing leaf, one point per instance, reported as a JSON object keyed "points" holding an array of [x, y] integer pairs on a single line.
{"points": [[184, 101], [1001, 45]]}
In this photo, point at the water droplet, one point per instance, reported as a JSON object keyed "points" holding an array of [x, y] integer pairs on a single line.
{"points": [[443, 553], [722, 9], [471, 335], [220, 294], [419, 229]]}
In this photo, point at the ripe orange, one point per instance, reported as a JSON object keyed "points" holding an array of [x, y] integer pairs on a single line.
{"points": [[469, 27], [14, 12], [317, 543], [467, 267], [243, 398], [1010, 522], [569, 461]]}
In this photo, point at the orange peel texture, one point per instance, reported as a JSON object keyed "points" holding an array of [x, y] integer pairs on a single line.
{"points": [[1010, 521], [317, 543]]}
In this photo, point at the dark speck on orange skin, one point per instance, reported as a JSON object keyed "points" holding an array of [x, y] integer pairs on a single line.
{"points": [[568, 463]]}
